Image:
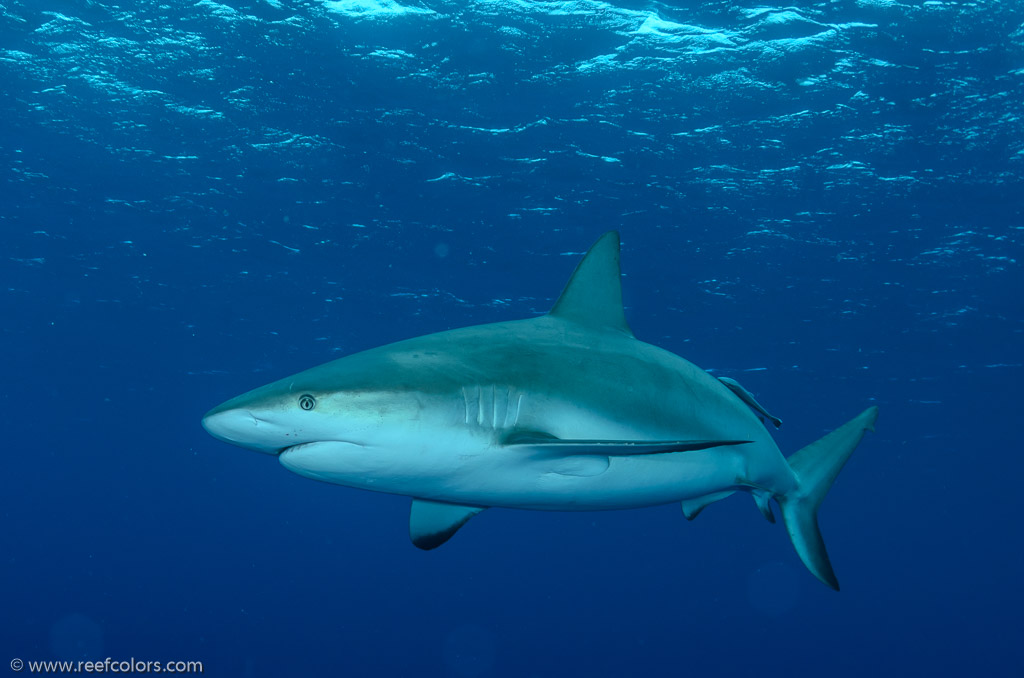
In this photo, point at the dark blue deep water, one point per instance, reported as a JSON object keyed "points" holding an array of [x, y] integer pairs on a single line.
{"points": [[822, 200]]}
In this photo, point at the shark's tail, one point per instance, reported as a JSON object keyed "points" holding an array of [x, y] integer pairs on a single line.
{"points": [[815, 467]]}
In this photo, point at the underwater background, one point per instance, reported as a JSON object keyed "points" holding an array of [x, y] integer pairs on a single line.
{"points": [[821, 200]]}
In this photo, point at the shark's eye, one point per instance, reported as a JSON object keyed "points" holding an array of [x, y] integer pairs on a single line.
{"points": [[307, 402]]}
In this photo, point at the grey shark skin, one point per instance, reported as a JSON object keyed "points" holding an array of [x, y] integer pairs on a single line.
{"points": [[563, 412]]}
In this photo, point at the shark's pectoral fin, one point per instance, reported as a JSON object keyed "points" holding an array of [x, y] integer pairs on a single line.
{"points": [[581, 466], [432, 523], [745, 395], [614, 448]]}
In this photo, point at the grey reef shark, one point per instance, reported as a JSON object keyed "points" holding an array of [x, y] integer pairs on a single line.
{"points": [[563, 412]]}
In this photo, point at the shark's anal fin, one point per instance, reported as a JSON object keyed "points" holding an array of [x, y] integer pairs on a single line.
{"points": [[744, 395], [612, 448], [762, 499], [432, 523]]}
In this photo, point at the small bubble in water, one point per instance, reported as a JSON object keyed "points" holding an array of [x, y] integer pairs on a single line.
{"points": [[470, 652], [76, 636], [773, 589]]}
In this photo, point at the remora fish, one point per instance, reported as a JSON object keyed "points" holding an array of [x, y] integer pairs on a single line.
{"points": [[563, 412]]}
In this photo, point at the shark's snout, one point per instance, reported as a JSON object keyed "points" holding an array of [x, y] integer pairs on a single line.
{"points": [[238, 427]]}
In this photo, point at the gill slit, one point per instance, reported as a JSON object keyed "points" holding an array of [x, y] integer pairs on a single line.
{"points": [[491, 407]]}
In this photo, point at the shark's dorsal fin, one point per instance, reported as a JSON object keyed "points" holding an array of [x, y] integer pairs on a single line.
{"points": [[748, 398], [593, 296]]}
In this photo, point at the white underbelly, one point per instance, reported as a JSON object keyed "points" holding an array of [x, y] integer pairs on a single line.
{"points": [[590, 483], [513, 477]]}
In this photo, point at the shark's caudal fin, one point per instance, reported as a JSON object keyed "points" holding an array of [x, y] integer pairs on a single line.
{"points": [[815, 467], [593, 295]]}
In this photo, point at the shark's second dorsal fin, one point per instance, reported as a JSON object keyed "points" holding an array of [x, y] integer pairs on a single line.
{"points": [[593, 296]]}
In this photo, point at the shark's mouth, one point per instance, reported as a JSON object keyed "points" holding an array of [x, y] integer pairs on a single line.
{"points": [[313, 443], [320, 458]]}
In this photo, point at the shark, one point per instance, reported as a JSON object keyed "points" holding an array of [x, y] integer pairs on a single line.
{"points": [[566, 411]]}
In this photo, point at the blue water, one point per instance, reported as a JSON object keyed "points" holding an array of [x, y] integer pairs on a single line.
{"points": [[819, 200]]}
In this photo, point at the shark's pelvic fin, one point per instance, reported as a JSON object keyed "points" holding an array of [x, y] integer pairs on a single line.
{"points": [[745, 395], [543, 441], [693, 507], [815, 467], [593, 296], [432, 523]]}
